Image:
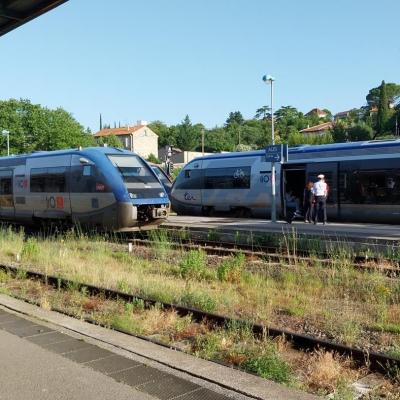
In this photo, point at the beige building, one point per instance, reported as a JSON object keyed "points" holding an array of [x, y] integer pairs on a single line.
{"points": [[139, 138], [179, 156]]}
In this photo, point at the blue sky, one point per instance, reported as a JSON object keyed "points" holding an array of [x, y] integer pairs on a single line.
{"points": [[159, 59]]}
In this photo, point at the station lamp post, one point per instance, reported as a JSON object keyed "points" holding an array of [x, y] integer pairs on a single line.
{"points": [[7, 133], [269, 80]]}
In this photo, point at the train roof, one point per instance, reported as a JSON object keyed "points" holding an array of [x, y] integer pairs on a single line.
{"points": [[307, 148], [84, 151]]}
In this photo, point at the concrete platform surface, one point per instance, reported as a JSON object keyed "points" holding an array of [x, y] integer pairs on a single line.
{"points": [[370, 232], [29, 372], [65, 357]]}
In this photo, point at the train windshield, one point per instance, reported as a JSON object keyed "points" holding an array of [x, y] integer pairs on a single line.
{"points": [[133, 169], [161, 174]]}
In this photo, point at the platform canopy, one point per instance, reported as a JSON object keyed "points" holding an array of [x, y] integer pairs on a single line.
{"points": [[14, 13]]}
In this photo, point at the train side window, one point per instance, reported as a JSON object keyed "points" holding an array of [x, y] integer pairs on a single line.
{"points": [[228, 178], [48, 180], [5, 185], [190, 179], [375, 187]]}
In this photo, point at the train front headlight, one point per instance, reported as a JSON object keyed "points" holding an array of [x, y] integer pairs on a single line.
{"points": [[161, 194], [133, 195]]}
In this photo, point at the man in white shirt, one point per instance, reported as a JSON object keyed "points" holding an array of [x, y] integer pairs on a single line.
{"points": [[320, 191]]}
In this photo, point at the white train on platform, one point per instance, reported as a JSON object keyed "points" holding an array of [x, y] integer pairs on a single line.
{"points": [[363, 180]]}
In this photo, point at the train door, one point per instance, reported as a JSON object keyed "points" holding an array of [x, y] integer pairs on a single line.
{"points": [[7, 210], [49, 196], [293, 183], [330, 170]]}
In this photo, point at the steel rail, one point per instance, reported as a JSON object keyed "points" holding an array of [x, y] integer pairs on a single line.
{"points": [[298, 248], [376, 361], [357, 262]]}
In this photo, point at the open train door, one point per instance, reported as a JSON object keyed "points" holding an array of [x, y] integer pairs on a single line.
{"points": [[330, 170], [7, 209]]}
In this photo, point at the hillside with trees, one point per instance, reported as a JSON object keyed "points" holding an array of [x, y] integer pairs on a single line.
{"points": [[377, 119], [34, 127]]}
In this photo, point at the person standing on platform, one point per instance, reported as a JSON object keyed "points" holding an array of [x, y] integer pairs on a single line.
{"points": [[308, 199], [320, 190]]}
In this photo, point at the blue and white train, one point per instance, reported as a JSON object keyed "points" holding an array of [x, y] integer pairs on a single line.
{"points": [[100, 187], [363, 180]]}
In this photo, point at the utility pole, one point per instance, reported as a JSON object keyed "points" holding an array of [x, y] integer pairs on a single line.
{"points": [[7, 133], [270, 80], [202, 141]]}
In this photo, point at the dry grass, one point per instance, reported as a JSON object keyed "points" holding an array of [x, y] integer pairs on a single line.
{"points": [[316, 372], [337, 301], [326, 369]]}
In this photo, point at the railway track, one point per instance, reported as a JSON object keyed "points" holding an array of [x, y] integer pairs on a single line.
{"points": [[386, 266], [376, 361]]}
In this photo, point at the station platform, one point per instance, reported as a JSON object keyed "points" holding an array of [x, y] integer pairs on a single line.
{"points": [[373, 233], [47, 355]]}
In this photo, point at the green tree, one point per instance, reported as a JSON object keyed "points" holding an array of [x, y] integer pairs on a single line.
{"points": [[218, 139], [289, 120], [383, 110], [296, 139], [188, 136], [360, 131], [392, 93], [110, 141], [234, 118], [153, 159], [339, 132], [33, 127], [263, 112], [166, 135]]}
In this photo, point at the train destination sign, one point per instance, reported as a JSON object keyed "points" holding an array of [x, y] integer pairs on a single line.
{"points": [[276, 153]]}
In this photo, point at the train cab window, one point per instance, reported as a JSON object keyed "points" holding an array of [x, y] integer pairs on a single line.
{"points": [[190, 179], [133, 169], [87, 170], [48, 180]]}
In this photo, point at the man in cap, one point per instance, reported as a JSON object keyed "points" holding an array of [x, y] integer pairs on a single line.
{"points": [[320, 191]]}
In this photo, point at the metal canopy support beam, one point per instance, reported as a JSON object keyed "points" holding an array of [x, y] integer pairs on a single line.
{"points": [[7, 13], [27, 10]]}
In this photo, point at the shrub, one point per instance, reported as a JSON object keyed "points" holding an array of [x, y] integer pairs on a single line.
{"points": [[193, 265], [269, 365], [30, 248], [123, 286], [199, 300], [207, 346], [231, 270]]}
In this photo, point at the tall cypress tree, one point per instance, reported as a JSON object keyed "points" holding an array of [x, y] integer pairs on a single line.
{"points": [[383, 110]]}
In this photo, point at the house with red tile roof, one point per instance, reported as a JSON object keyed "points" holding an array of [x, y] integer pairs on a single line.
{"points": [[319, 129], [318, 112], [138, 138]]}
